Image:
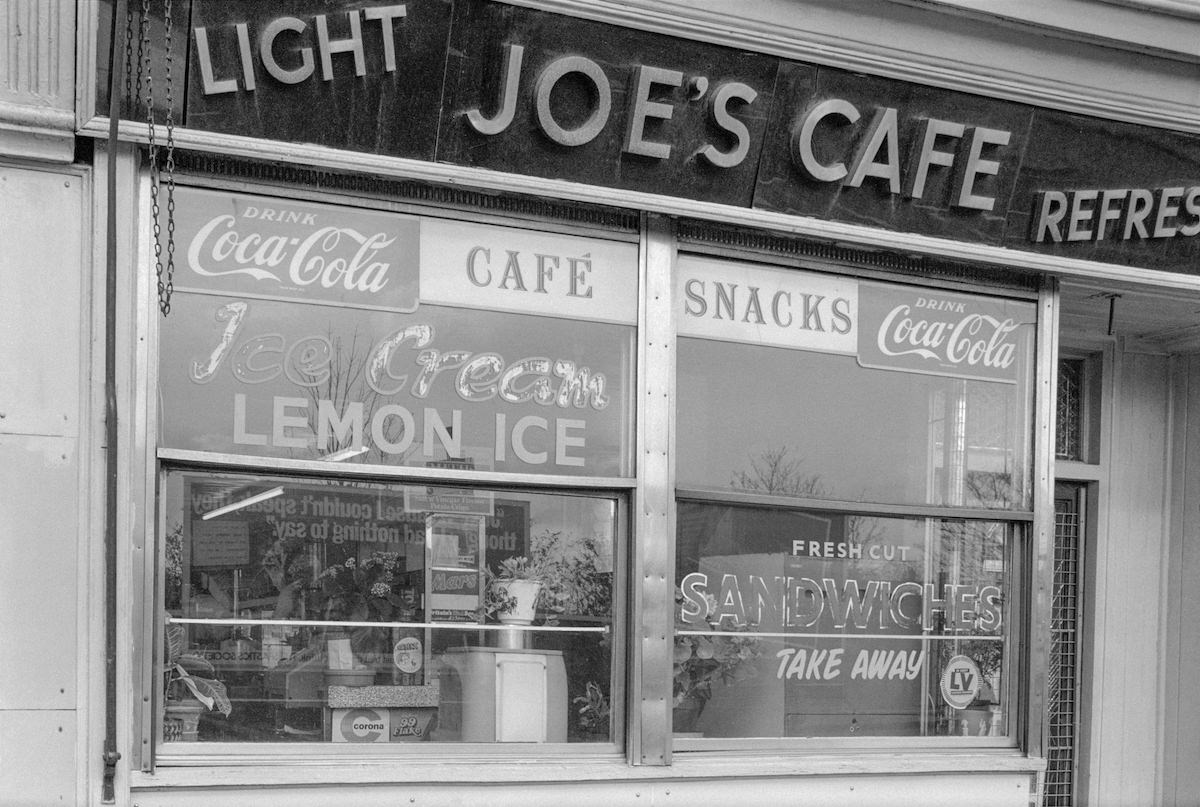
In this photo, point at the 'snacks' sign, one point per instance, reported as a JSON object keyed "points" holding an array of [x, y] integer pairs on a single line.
{"points": [[885, 326]]}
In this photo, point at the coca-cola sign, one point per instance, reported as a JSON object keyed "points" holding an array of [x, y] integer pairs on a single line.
{"points": [[260, 246], [942, 333]]}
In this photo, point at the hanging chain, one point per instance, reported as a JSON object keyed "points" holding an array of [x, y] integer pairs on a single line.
{"points": [[129, 57], [153, 154], [164, 275], [169, 288]]}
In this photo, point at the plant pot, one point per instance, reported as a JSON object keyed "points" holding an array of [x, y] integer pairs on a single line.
{"points": [[685, 716], [181, 720], [522, 610], [525, 594], [974, 721]]}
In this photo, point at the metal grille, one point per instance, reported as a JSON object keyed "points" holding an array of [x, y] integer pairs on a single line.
{"points": [[297, 178], [1068, 425], [708, 233], [1062, 713]]}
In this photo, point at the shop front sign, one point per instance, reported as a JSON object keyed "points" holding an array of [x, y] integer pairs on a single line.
{"points": [[886, 327], [257, 247], [960, 682], [338, 333], [524, 91]]}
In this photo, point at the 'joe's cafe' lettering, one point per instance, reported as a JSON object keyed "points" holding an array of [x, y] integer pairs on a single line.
{"points": [[731, 129], [654, 93]]}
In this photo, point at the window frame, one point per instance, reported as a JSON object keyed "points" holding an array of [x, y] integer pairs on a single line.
{"points": [[152, 462], [646, 500], [1034, 527], [1015, 600]]}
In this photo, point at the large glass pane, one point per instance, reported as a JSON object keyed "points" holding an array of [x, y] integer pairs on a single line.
{"points": [[275, 587], [314, 332], [801, 623], [296, 382], [873, 392]]}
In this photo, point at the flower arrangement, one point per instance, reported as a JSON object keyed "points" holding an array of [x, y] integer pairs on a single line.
{"points": [[287, 568], [701, 661], [366, 591]]}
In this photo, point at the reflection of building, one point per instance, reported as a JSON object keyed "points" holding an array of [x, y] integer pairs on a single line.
{"points": [[550, 169]]}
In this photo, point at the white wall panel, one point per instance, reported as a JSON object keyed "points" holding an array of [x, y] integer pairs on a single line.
{"points": [[1181, 718], [37, 758], [1125, 734], [40, 281], [43, 330], [39, 511]]}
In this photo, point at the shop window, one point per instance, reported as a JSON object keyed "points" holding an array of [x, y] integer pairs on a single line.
{"points": [[276, 587], [1077, 408], [780, 393], [350, 336], [809, 623], [853, 497], [1069, 410], [370, 431]]}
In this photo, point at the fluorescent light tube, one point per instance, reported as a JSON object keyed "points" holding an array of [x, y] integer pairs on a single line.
{"points": [[238, 505]]}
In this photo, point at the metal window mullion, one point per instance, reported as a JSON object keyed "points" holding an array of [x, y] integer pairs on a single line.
{"points": [[146, 641], [652, 575], [1040, 558]]}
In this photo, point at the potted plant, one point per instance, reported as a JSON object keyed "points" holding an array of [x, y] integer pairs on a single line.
{"points": [[594, 711], [976, 718], [512, 590], [574, 581], [560, 574], [191, 686], [701, 661]]}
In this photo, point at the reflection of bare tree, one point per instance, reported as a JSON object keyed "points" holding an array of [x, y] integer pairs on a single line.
{"points": [[345, 385], [775, 472], [989, 489], [865, 530]]}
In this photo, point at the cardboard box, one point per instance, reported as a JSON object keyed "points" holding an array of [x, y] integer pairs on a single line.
{"points": [[377, 725]]}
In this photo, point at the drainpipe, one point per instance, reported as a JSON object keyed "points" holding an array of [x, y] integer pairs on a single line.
{"points": [[111, 755]]}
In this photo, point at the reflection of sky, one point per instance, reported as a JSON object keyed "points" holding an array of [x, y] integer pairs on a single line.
{"points": [[865, 433], [199, 416]]}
